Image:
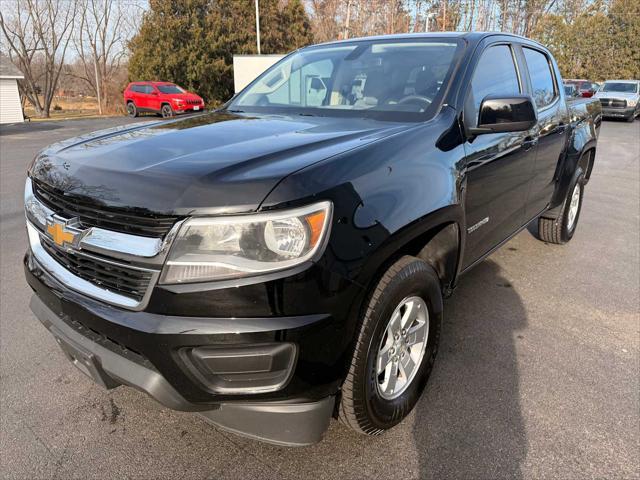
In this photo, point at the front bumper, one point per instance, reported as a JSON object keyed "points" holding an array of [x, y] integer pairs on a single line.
{"points": [[188, 108], [283, 423], [618, 112], [145, 349]]}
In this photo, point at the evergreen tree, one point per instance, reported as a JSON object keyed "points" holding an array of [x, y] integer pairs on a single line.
{"points": [[601, 43], [192, 42]]}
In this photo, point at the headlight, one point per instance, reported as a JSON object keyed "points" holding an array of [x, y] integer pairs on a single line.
{"points": [[218, 248], [631, 103]]}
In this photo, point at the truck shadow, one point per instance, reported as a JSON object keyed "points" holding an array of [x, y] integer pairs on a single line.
{"points": [[468, 423]]}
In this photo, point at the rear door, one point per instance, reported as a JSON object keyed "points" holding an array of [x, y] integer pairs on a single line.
{"points": [[499, 166], [137, 95], [153, 97], [553, 118]]}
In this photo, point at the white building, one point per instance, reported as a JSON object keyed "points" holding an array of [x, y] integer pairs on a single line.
{"points": [[10, 105], [247, 67]]}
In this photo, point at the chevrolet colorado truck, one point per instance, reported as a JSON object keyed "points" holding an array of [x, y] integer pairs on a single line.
{"points": [[283, 260]]}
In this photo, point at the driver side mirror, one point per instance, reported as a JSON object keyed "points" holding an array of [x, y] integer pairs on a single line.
{"points": [[505, 114]]}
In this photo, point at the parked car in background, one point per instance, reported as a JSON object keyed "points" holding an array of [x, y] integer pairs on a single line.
{"points": [[586, 88], [165, 98], [284, 259], [620, 99], [570, 90]]}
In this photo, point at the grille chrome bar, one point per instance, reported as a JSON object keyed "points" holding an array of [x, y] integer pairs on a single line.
{"points": [[118, 268], [80, 284], [106, 242], [131, 282], [613, 102]]}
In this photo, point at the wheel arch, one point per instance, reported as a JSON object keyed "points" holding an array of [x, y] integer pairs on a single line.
{"points": [[586, 161], [435, 238], [580, 156]]}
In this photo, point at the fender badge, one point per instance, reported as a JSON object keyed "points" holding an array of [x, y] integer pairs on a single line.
{"points": [[473, 228]]}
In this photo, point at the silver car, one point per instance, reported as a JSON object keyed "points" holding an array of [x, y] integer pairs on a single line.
{"points": [[620, 98]]}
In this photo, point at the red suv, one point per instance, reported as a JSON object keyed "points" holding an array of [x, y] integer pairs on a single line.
{"points": [[164, 98], [585, 88]]}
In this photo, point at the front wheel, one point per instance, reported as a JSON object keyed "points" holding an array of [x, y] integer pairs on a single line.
{"points": [[395, 349], [166, 111], [561, 229]]}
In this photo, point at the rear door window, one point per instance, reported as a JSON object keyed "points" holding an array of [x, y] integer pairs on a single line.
{"points": [[544, 90]]}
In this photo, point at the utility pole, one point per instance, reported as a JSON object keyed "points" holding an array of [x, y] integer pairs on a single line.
{"points": [[258, 26], [427, 19]]}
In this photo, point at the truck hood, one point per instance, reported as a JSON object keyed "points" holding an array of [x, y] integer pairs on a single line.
{"points": [[617, 95], [217, 162]]}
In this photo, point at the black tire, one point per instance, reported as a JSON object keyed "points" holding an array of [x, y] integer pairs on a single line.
{"points": [[560, 230], [132, 110], [166, 111], [362, 406], [631, 117]]}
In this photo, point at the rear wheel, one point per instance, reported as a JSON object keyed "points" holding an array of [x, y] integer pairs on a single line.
{"points": [[561, 229], [395, 349], [132, 111], [166, 111]]}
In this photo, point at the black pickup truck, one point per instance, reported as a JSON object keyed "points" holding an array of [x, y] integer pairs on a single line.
{"points": [[284, 259]]}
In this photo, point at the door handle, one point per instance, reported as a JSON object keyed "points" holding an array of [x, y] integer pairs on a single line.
{"points": [[529, 143]]}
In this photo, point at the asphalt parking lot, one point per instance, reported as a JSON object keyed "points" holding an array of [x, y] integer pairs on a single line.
{"points": [[538, 374]]}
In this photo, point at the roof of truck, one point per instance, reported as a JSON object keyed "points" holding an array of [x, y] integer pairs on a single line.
{"points": [[473, 37]]}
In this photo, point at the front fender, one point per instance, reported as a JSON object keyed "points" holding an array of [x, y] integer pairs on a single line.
{"points": [[385, 195]]}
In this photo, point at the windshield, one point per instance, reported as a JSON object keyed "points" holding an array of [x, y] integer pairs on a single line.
{"points": [[620, 87], [170, 89], [381, 79]]}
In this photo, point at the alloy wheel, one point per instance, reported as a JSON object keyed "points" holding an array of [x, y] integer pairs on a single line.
{"points": [[402, 347], [574, 206]]}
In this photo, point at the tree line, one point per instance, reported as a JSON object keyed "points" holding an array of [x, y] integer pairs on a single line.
{"points": [[99, 45], [593, 39]]}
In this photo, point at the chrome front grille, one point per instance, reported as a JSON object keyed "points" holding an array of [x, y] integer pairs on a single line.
{"points": [[115, 267], [91, 215], [614, 103], [124, 280]]}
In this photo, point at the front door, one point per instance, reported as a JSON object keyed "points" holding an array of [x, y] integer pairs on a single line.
{"points": [[499, 166]]}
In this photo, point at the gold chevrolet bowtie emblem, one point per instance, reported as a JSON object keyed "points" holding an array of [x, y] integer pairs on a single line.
{"points": [[59, 235]]}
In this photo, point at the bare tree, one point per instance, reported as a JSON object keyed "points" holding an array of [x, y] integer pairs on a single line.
{"points": [[101, 43], [38, 34]]}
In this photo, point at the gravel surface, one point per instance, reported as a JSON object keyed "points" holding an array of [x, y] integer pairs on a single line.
{"points": [[538, 375]]}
